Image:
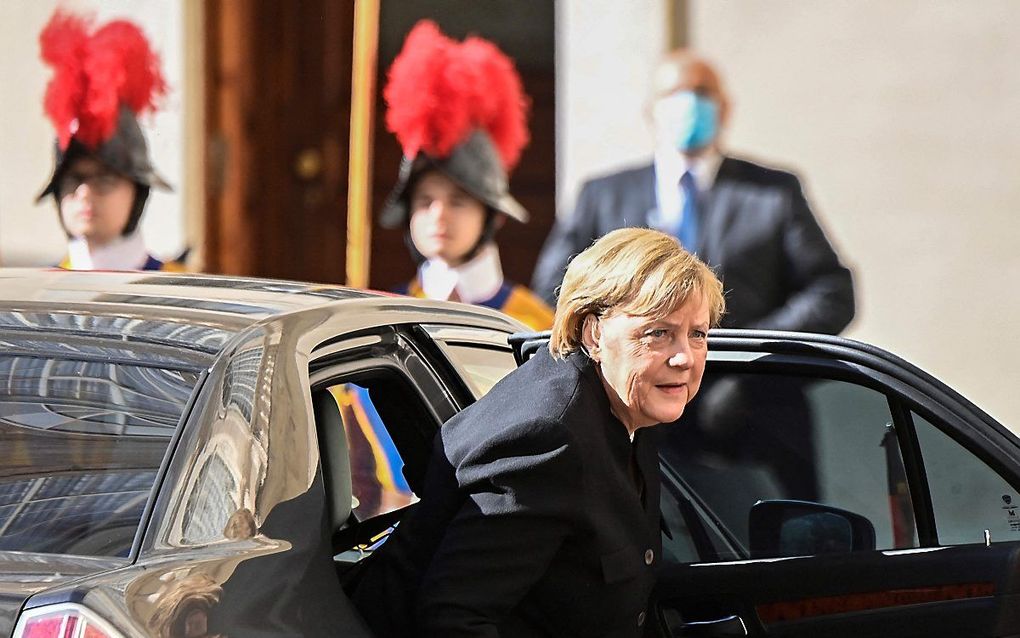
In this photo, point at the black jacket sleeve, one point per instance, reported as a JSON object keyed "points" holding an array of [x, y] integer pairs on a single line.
{"points": [[521, 489]]}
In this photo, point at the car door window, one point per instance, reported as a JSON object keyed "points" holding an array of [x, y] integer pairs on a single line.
{"points": [[768, 437], [968, 497]]}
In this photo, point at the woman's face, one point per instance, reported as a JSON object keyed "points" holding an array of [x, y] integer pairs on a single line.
{"points": [[651, 367], [446, 222], [95, 203]]}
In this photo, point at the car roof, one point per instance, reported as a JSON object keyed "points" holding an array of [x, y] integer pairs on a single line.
{"points": [[194, 311]]}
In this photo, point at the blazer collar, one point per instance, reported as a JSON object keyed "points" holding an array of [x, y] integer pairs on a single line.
{"points": [[644, 447], [616, 431], [717, 212]]}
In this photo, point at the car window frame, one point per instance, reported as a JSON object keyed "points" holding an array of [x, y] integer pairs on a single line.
{"points": [[403, 344], [145, 536], [701, 521], [965, 433], [373, 368]]}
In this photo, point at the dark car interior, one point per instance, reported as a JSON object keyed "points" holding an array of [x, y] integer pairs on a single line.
{"points": [[364, 509]]}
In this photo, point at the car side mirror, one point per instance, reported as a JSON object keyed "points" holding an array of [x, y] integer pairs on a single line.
{"points": [[801, 528]]}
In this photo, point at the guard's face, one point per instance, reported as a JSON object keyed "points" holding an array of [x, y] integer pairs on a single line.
{"points": [[446, 222], [651, 367], [95, 203]]}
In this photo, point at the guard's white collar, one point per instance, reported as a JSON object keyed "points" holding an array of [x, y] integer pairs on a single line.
{"points": [[123, 253], [474, 281]]}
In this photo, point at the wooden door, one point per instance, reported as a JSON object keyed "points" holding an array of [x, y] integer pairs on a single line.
{"points": [[278, 93]]}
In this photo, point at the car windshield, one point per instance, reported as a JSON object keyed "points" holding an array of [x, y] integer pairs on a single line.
{"points": [[85, 420]]}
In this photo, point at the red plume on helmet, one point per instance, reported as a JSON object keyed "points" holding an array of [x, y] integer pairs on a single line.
{"points": [[440, 91], [459, 108], [95, 73]]}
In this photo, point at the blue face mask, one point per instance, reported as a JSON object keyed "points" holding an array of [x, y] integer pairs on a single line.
{"points": [[687, 119]]}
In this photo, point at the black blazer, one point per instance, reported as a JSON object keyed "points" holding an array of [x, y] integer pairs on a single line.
{"points": [[539, 517], [756, 231]]}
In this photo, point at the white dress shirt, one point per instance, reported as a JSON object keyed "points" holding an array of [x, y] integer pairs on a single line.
{"points": [[669, 168]]}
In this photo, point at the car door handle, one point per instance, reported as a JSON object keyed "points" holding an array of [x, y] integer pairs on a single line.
{"points": [[727, 626]]}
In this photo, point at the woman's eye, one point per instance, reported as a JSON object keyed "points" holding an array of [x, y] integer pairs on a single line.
{"points": [[657, 333], [699, 334]]}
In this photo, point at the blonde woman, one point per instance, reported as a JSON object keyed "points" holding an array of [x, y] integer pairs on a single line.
{"points": [[540, 513]]}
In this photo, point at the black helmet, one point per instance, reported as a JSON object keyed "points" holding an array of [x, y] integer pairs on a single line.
{"points": [[474, 166], [126, 153]]}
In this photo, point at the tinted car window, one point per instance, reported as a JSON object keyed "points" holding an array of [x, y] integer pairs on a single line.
{"points": [[80, 444], [968, 496], [761, 437]]}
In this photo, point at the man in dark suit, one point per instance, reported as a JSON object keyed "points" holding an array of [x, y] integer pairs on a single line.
{"points": [[752, 224]]}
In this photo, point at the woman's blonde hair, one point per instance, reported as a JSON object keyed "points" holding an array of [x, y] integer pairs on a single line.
{"points": [[634, 270]]}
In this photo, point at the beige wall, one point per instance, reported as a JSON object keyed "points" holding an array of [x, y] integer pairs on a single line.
{"points": [[29, 233], [603, 51], [900, 116]]}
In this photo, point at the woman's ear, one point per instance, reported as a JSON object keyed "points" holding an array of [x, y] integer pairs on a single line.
{"points": [[591, 332]]}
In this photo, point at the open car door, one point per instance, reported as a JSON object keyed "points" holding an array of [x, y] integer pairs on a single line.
{"points": [[817, 486]]}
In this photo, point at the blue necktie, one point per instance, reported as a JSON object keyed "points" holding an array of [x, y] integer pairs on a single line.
{"points": [[688, 231]]}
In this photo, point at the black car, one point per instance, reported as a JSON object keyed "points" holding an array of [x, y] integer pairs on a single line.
{"points": [[195, 455]]}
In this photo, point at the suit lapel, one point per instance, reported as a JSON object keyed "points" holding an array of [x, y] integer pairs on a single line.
{"points": [[717, 214]]}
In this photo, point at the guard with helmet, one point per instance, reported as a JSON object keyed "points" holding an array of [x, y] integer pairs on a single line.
{"points": [[103, 79], [458, 110]]}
